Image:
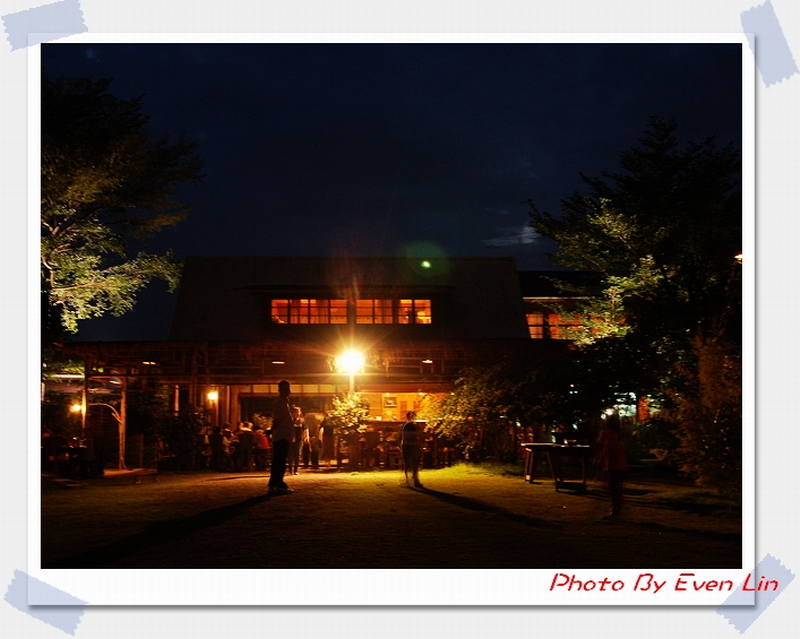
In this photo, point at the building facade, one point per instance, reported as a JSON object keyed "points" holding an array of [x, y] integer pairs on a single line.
{"points": [[410, 326]]}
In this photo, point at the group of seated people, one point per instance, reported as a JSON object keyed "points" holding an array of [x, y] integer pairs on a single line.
{"points": [[71, 457], [238, 450]]}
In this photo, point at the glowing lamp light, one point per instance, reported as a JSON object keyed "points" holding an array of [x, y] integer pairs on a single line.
{"points": [[212, 396], [76, 408], [351, 361], [425, 264]]}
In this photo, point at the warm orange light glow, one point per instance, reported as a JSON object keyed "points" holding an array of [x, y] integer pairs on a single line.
{"points": [[76, 408], [212, 396], [351, 361]]}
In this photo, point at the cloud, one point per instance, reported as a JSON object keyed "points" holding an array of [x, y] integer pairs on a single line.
{"points": [[513, 236]]}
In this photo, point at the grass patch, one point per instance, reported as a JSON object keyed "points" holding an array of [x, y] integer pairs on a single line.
{"points": [[484, 468], [693, 500]]}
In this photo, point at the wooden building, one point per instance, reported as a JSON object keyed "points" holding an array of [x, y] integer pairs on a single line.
{"points": [[242, 324]]}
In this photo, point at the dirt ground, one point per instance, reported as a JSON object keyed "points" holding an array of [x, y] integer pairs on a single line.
{"points": [[465, 517]]}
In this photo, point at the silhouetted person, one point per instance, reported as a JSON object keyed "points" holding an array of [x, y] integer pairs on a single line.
{"points": [[282, 438], [328, 441], [246, 440], [260, 448], [296, 446], [215, 443], [50, 450], [312, 433], [411, 443], [611, 454]]}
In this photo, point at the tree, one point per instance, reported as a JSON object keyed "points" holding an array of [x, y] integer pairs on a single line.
{"points": [[665, 236], [488, 401], [105, 183], [348, 414]]}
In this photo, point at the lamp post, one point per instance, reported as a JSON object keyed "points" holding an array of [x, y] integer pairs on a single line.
{"points": [[120, 418], [351, 361], [213, 398]]}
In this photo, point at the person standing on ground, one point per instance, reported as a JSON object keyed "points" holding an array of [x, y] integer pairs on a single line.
{"points": [[282, 438], [246, 440], [410, 443], [312, 425], [611, 455], [328, 441], [296, 447], [260, 446], [215, 442]]}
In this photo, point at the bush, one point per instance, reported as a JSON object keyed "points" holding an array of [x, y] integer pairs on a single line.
{"points": [[181, 436], [710, 429]]}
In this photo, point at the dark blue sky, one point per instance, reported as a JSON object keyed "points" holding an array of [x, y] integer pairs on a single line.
{"points": [[388, 149]]}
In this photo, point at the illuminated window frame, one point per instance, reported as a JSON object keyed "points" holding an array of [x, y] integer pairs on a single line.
{"points": [[414, 311], [365, 311], [309, 311], [549, 326], [374, 311]]}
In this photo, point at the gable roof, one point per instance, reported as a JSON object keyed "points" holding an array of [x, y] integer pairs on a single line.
{"points": [[223, 298], [557, 284]]}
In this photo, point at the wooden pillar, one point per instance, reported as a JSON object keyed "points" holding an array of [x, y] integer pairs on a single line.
{"points": [[176, 400], [85, 395], [123, 415], [193, 379]]}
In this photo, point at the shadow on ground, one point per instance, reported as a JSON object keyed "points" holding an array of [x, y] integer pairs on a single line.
{"points": [[159, 534]]}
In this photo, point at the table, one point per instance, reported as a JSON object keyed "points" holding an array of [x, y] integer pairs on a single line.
{"points": [[556, 453]]}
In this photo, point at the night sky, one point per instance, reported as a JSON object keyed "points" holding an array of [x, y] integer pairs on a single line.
{"points": [[386, 149]]}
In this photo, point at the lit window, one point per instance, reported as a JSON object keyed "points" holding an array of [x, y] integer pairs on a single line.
{"points": [[374, 312], [280, 311], [558, 326], [338, 311], [304, 311], [536, 325], [414, 312], [298, 311], [549, 326]]}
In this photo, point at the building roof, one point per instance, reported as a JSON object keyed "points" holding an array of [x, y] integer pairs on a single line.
{"points": [[227, 298], [557, 284]]}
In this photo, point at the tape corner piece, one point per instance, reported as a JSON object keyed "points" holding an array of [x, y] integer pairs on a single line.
{"points": [[768, 43], [762, 586], [58, 608], [49, 21]]}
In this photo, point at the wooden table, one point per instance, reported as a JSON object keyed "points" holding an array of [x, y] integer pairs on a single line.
{"points": [[556, 453]]}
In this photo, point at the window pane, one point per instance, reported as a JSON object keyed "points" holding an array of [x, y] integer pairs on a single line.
{"points": [[422, 310], [280, 311], [338, 313], [383, 312], [535, 325], [405, 312], [414, 312], [364, 312], [318, 311], [558, 324], [298, 311]]}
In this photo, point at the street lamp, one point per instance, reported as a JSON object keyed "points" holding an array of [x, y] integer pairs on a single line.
{"points": [[78, 408], [213, 398], [351, 361], [120, 418]]}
